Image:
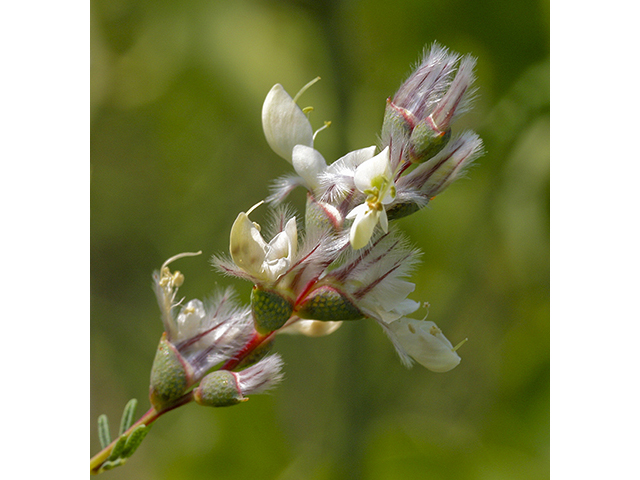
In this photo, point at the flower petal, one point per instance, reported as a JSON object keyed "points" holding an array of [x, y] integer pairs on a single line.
{"points": [[426, 344], [189, 320], [281, 250], [363, 225], [284, 124], [246, 245], [371, 171], [308, 163]]}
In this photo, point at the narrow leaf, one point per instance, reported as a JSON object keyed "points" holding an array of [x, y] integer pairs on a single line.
{"points": [[108, 465], [127, 415], [103, 431], [134, 440], [118, 448]]}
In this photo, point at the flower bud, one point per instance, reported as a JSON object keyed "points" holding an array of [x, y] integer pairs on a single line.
{"points": [[218, 389], [441, 171], [422, 110], [224, 388], [270, 309], [171, 375], [326, 303], [427, 140]]}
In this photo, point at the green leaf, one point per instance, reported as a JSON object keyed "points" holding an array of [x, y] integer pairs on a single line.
{"points": [[127, 415], [135, 439], [103, 431], [118, 448], [108, 465]]}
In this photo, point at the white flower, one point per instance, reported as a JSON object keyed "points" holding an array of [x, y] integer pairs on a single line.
{"points": [[264, 261], [189, 320], [166, 284], [426, 344], [336, 181], [285, 125], [374, 178]]}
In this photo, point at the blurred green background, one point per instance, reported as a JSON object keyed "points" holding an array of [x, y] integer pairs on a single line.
{"points": [[177, 151]]}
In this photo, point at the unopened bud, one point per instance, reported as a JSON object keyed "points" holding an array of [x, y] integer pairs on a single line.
{"points": [[326, 303], [171, 375], [224, 388], [427, 140], [423, 109], [443, 170], [270, 309], [218, 389]]}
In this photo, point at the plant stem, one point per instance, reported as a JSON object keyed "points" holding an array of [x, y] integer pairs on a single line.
{"points": [[147, 419], [152, 415]]}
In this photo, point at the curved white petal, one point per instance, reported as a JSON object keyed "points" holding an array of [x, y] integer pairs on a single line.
{"points": [[281, 251], [384, 221], [426, 344], [246, 245], [369, 173], [394, 298], [349, 162], [284, 123], [363, 225], [308, 163]]}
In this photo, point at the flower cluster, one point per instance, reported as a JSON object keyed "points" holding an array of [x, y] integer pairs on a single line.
{"points": [[199, 336], [341, 261]]}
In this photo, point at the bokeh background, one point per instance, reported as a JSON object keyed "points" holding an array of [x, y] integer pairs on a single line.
{"points": [[177, 151]]}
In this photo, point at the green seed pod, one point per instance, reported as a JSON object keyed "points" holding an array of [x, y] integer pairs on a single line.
{"points": [[270, 309], [328, 304], [425, 141], [218, 389], [170, 375], [400, 210]]}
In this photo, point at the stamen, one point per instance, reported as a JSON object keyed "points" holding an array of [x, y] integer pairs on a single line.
{"points": [[304, 89], [327, 124], [460, 344], [254, 207], [426, 305]]}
